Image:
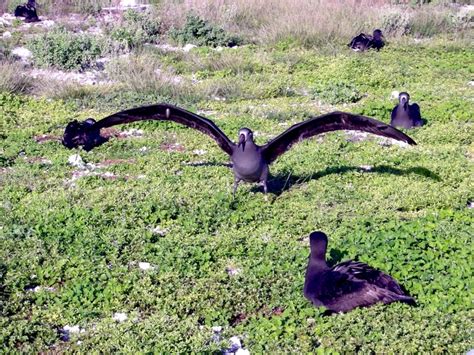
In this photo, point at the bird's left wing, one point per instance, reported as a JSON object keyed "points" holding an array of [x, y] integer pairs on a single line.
{"points": [[330, 122]]}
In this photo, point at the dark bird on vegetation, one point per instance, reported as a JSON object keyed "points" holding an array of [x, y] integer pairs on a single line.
{"points": [[250, 161], [347, 285], [405, 115], [363, 42], [28, 11]]}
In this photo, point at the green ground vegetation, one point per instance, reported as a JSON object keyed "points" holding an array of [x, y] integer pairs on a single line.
{"points": [[404, 210]]}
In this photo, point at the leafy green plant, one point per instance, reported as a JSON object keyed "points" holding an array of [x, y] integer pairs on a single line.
{"points": [[337, 92], [201, 33], [62, 49], [135, 29]]}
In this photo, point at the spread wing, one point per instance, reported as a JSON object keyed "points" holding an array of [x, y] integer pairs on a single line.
{"points": [[330, 122], [160, 112]]}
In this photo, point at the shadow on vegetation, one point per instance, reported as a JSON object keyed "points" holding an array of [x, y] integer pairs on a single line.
{"points": [[277, 184], [284, 181], [209, 163]]}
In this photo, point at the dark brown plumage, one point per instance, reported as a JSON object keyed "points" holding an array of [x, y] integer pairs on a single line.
{"points": [[347, 285], [363, 42], [250, 161], [28, 11]]}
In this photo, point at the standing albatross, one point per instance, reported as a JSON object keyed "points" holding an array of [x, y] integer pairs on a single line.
{"points": [[250, 161], [347, 285]]}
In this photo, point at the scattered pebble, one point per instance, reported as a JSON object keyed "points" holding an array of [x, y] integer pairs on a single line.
{"points": [[199, 151], [188, 47], [41, 288], [23, 53], [366, 167], [67, 330], [7, 34], [394, 94], [159, 230], [119, 317], [217, 329], [144, 265], [235, 347], [143, 149], [133, 132], [76, 161], [231, 271]]}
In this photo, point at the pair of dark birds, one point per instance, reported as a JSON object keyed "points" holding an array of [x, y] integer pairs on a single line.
{"points": [[28, 11], [341, 288], [404, 115], [363, 42]]}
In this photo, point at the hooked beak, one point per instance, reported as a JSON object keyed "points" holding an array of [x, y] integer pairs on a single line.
{"points": [[242, 140]]}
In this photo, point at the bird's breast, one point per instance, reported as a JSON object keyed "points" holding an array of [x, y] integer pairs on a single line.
{"points": [[248, 165]]}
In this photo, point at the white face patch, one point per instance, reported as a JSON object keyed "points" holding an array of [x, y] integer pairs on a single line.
{"points": [[245, 133], [404, 97]]}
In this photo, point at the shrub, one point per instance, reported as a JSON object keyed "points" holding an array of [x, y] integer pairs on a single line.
{"points": [[64, 50], [337, 92], [135, 30], [201, 33]]}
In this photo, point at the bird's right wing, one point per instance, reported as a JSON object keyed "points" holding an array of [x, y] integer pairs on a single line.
{"points": [[160, 112]]}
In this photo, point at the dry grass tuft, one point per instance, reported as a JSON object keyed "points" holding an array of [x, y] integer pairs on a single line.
{"points": [[13, 79]]}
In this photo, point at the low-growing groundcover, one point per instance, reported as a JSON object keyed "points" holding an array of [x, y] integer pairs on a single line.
{"points": [[71, 246]]}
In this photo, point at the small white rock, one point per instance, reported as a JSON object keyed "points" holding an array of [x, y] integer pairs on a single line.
{"points": [[242, 352], [120, 317], [159, 230], [199, 151], [143, 149], [22, 52], [233, 271], [73, 329], [394, 94], [188, 47], [235, 342], [76, 161], [144, 266], [7, 34], [366, 167], [217, 329]]}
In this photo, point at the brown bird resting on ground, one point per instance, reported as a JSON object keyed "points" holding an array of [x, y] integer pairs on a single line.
{"points": [[250, 161], [364, 42], [28, 11], [347, 285], [405, 115]]}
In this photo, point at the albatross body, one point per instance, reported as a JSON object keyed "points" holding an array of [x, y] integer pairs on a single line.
{"points": [[347, 285], [250, 161], [405, 115]]}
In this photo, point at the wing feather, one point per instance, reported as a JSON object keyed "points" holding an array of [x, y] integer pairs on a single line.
{"points": [[160, 112], [330, 122]]}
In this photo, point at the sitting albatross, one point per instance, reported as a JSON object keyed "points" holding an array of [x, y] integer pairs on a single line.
{"points": [[347, 285], [405, 115], [28, 11], [364, 42], [250, 161]]}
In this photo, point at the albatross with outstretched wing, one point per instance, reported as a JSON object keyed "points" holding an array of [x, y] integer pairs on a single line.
{"points": [[250, 161]]}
